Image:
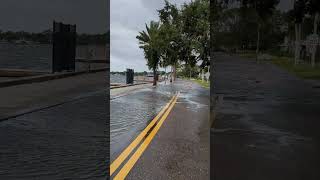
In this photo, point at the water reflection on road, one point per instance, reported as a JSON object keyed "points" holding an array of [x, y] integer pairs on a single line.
{"points": [[130, 114]]}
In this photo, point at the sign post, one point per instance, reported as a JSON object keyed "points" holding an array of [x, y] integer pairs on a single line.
{"points": [[63, 47]]}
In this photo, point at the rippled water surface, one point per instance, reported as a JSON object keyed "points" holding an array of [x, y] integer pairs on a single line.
{"points": [[34, 56], [130, 114]]}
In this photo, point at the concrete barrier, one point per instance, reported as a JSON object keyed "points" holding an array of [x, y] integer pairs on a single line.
{"points": [[20, 73], [46, 77]]}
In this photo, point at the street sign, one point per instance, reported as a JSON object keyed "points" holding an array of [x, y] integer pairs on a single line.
{"points": [[63, 47], [312, 42]]}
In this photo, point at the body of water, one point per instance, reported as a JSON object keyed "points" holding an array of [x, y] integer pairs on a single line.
{"points": [[30, 56], [39, 56], [117, 78]]}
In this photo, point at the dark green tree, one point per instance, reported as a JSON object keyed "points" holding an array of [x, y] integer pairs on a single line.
{"points": [[150, 42]]}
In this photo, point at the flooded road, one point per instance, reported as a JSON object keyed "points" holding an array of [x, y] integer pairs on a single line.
{"points": [[267, 123], [185, 133], [180, 150], [62, 142], [131, 113]]}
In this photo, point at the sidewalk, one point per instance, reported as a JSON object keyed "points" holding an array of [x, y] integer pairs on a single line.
{"points": [[20, 99]]}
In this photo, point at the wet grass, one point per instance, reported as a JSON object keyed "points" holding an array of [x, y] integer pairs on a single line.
{"points": [[248, 55], [305, 71], [204, 84]]}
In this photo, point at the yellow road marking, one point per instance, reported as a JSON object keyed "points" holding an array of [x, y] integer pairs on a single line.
{"points": [[118, 161], [134, 158]]}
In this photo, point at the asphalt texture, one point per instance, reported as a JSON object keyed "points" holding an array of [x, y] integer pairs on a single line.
{"points": [[266, 125], [180, 150], [65, 136]]}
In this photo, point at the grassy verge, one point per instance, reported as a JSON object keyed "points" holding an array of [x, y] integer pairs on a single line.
{"points": [[304, 71], [204, 84], [301, 70], [248, 55]]}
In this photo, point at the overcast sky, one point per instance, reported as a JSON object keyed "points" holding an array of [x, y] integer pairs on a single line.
{"points": [[128, 17], [37, 15]]}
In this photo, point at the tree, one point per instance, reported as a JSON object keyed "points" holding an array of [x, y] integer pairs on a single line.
{"points": [[264, 9], [298, 14], [170, 32], [314, 9], [150, 42], [196, 41]]}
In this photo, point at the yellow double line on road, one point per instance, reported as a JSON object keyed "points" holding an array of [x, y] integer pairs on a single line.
{"points": [[163, 114]]}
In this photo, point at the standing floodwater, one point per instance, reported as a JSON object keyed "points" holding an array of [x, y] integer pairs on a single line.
{"points": [[25, 56], [117, 78], [33, 56]]}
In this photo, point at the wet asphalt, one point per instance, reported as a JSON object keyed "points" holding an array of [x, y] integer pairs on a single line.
{"points": [[68, 141], [180, 150], [131, 112], [266, 125]]}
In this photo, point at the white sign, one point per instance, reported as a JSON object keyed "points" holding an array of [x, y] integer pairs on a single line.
{"points": [[312, 42]]}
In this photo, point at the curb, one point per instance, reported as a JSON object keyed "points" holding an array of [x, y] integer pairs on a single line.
{"points": [[122, 86], [47, 77]]}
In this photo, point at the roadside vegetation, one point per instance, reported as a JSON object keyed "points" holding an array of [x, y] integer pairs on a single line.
{"points": [[173, 42], [302, 70], [45, 37], [204, 84], [256, 29], [305, 71]]}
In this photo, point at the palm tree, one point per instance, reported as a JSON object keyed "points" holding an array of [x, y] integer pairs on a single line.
{"points": [[150, 42]]}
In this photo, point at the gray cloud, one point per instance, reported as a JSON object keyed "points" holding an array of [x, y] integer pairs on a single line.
{"points": [[285, 5], [37, 15], [127, 18]]}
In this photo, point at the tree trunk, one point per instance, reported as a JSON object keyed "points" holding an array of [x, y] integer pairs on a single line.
{"points": [[190, 72], [202, 75], [208, 74], [315, 31], [258, 42], [175, 72], [297, 43], [165, 74], [154, 77], [315, 23], [171, 74]]}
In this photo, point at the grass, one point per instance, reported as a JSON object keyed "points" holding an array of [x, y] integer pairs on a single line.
{"points": [[248, 55], [204, 84], [301, 70], [304, 71]]}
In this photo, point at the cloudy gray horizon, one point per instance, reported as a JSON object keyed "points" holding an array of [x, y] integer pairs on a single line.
{"points": [[127, 18], [37, 15]]}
